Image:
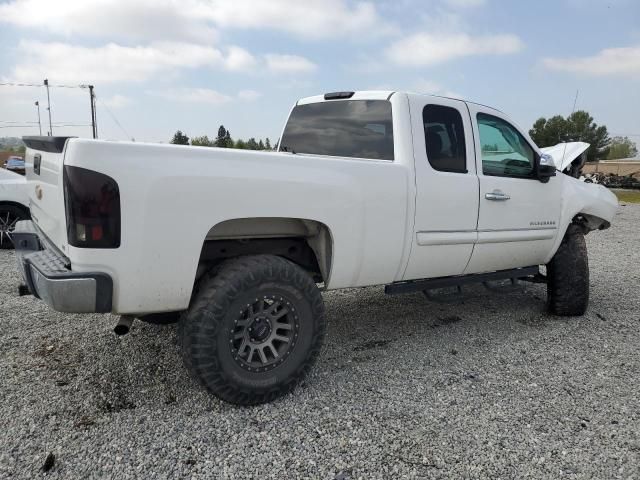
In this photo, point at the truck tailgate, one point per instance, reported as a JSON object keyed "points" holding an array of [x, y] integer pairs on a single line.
{"points": [[44, 171]]}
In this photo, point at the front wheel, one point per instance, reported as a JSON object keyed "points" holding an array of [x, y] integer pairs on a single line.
{"points": [[9, 216], [254, 329], [568, 276]]}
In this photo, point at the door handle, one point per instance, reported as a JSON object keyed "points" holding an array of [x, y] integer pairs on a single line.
{"points": [[497, 195]]}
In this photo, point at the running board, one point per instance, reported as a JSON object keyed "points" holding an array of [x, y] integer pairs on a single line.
{"points": [[413, 286]]}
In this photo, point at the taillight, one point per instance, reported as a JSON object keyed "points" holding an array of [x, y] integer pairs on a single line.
{"points": [[92, 202]]}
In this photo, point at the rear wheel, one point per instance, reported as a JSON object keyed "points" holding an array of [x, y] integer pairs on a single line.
{"points": [[568, 276], [254, 329], [9, 216]]}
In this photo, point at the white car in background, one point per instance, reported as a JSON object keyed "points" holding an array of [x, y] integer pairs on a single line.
{"points": [[14, 204]]}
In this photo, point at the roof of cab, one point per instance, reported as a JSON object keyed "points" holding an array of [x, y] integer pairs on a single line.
{"points": [[378, 95]]}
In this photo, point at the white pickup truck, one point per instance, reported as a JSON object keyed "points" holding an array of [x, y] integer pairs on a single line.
{"points": [[409, 191]]}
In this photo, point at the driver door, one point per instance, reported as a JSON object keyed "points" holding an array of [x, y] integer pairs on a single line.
{"points": [[518, 214]]}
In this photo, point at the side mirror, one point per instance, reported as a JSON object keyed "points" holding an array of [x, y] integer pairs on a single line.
{"points": [[545, 167]]}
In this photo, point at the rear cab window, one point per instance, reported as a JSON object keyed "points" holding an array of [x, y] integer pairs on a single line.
{"points": [[341, 128], [444, 138]]}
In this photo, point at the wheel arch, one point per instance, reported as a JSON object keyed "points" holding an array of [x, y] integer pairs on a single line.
{"points": [[19, 205], [306, 242]]}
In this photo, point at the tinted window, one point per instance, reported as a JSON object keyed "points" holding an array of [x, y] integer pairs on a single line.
{"points": [[351, 128], [505, 152], [444, 137]]}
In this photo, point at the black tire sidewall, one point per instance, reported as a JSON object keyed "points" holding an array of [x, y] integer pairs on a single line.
{"points": [[219, 301]]}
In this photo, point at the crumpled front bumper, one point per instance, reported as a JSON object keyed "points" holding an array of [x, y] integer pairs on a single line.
{"points": [[48, 275]]}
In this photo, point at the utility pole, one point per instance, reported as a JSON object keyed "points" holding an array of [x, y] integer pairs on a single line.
{"points": [[46, 84], [92, 97], [39, 124]]}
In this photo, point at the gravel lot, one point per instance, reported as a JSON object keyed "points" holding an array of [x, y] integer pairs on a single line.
{"points": [[493, 387]]}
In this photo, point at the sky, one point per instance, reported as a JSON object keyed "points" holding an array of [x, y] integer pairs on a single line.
{"points": [[163, 65]]}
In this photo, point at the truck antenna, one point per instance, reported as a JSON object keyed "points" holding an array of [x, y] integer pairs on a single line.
{"points": [[575, 101]]}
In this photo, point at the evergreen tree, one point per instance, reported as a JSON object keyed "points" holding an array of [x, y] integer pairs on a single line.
{"points": [[180, 138], [267, 144], [252, 144], [577, 127], [221, 139]]}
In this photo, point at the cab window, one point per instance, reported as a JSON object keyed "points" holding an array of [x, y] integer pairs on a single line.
{"points": [[505, 152], [444, 138]]}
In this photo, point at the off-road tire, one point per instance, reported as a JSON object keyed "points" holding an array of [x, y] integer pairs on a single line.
{"points": [[205, 328], [568, 276]]}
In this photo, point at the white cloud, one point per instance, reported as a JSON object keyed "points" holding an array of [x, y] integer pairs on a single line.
{"points": [[610, 61], [113, 19], [434, 88], [249, 95], [238, 59], [424, 49], [308, 18], [192, 95], [465, 3], [62, 62], [192, 19], [289, 64], [116, 101]]}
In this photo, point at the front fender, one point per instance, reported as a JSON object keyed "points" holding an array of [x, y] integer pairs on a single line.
{"points": [[596, 204]]}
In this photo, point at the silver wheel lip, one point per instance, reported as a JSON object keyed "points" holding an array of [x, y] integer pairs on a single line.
{"points": [[7, 225]]}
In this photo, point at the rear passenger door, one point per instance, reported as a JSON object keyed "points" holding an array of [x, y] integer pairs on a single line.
{"points": [[447, 188]]}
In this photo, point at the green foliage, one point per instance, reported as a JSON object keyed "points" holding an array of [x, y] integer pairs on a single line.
{"points": [[622, 147], [222, 140], [490, 147], [202, 141], [577, 127], [180, 138]]}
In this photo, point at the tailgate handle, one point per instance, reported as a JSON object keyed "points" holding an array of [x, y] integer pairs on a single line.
{"points": [[37, 160]]}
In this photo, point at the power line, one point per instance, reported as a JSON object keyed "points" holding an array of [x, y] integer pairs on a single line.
{"points": [[113, 117], [55, 125], [10, 84]]}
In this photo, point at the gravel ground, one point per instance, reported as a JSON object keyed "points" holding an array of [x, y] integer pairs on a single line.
{"points": [[491, 388]]}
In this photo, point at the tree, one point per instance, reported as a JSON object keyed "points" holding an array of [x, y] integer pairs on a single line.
{"points": [[228, 141], [267, 144], [252, 144], [577, 127], [202, 141], [622, 147], [222, 140], [241, 144], [180, 138], [260, 145]]}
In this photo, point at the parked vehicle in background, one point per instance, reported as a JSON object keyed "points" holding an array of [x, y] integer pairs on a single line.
{"points": [[410, 191], [14, 205], [15, 164]]}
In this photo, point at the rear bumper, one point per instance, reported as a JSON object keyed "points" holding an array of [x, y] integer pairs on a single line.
{"points": [[48, 275]]}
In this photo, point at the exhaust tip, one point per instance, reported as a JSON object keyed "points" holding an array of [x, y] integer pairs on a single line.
{"points": [[124, 325]]}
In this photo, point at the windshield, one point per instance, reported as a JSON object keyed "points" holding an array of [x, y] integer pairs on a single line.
{"points": [[346, 128], [15, 162]]}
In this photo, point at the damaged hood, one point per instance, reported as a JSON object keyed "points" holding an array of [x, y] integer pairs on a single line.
{"points": [[565, 153]]}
